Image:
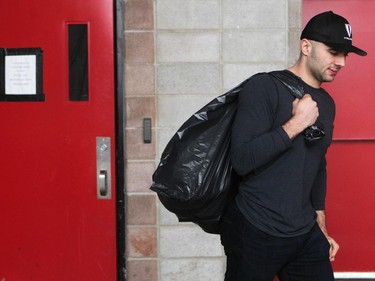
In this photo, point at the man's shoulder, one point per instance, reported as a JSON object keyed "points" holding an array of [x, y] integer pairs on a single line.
{"points": [[262, 79]]}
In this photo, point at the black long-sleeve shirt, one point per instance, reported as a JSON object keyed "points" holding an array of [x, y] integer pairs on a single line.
{"points": [[284, 181]]}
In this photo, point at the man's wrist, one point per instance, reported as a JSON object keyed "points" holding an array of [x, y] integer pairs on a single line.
{"points": [[292, 128]]}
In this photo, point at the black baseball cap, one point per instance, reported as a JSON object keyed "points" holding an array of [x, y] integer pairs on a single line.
{"points": [[332, 30]]}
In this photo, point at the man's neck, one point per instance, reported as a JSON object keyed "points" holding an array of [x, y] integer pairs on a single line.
{"points": [[301, 72]]}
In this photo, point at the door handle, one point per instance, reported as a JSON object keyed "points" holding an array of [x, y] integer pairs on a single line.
{"points": [[103, 168], [103, 183]]}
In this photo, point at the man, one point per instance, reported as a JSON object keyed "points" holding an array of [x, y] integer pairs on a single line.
{"points": [[276, 226]]}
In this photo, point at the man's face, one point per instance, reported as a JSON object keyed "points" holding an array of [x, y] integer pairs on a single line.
{"points": [[324, 62]]}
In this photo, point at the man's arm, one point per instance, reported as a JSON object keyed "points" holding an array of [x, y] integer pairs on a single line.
{"points": [[321, 219], [255, 140]]}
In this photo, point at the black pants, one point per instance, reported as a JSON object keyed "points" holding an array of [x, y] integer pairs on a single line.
{"points": [[253, 255]]}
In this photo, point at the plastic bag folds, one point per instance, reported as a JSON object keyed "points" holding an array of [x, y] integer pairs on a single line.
{"points": [[194, 178]]}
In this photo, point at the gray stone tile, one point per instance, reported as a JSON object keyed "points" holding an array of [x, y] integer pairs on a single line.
{"points": [[188, 47], [173, 111], [254, 46], [189, 78], [188, 241], [244, 14], [233, 74], [188, 14], [295, 13], [192, 269]]}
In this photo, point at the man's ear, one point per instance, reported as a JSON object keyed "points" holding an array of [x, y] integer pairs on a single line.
{"points": [[305, 47]]}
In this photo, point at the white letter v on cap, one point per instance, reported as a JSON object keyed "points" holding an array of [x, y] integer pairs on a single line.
{"points": [[348, 30]]}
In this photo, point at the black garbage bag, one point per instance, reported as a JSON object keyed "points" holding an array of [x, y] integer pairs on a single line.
{"points": [[194, 178]]}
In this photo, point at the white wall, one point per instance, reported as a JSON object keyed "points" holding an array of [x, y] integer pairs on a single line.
{"points": [[203, 48]]}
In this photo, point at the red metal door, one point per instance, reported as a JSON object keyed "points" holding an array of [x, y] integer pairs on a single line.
{"points": [[351, 180], [52, 224]]}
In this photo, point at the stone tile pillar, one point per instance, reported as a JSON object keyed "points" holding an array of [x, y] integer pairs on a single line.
{"points": [[141, 230]]}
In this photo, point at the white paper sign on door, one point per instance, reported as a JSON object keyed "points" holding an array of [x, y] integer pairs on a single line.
{"points": [[20, 75]]}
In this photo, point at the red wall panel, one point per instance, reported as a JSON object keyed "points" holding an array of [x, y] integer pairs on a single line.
{"points": [[351, 204], [351, 158], [353, 88]]}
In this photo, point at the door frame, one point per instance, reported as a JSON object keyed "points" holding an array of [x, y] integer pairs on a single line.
{"points": [[120, 138]]}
